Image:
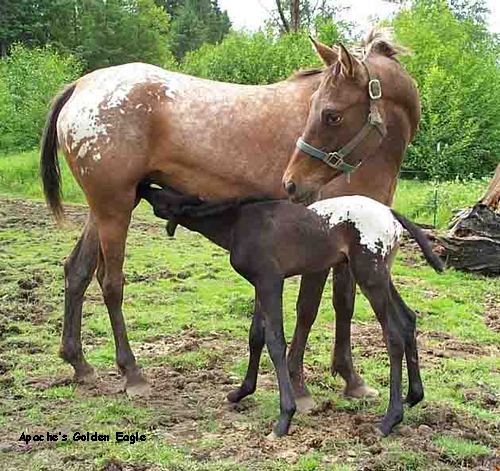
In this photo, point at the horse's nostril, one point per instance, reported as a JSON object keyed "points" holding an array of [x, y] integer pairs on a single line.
{"points": [[290, 187]]}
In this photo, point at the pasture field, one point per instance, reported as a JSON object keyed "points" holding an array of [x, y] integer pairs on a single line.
{"points": [[188, 316]]}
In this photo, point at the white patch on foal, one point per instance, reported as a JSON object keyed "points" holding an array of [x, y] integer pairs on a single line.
{"points": [[379, 231]]}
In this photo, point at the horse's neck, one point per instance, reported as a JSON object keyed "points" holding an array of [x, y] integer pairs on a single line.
{"points": [[217, 228]]}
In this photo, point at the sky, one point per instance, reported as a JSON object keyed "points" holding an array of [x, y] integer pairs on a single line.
{"points": [[251, 14]]}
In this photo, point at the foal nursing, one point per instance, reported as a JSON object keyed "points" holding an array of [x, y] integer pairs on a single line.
{"points": [[271, 240]]}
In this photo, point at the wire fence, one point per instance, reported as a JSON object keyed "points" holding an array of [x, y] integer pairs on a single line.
{"points": [[434, 203]]}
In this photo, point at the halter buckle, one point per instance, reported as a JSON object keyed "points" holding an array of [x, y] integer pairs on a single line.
{"points": [[375, 89], [335, 157]]}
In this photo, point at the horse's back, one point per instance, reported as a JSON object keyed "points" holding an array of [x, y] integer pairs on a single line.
{"points": [[127, 122]]}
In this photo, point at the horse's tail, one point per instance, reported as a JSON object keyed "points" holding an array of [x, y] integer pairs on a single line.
{"points": [[50, 171], [422, 240]]}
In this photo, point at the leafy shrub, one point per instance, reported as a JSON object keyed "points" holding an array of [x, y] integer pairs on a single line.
{"points": [[259, 58], [29, 79], [459, 82]]}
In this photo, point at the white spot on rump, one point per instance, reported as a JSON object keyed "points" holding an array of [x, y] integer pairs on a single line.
{"points": [[85, 118], [379, 230]]}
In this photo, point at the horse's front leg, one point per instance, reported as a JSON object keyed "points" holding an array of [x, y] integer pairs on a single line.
{"points": [[79, 269], [256, 340], [270, 293], [311, 290], [344, 295]]}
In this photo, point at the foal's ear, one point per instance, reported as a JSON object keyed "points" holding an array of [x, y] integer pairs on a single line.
{"points": [[327, 54], [347, 62]]}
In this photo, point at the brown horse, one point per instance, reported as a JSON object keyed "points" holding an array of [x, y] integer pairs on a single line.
{"points": [[121, 125]]}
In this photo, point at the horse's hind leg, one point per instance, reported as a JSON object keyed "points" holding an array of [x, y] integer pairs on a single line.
{"points": [[375, 286], [344, 295], [256, 341], [79, 269], [113, 228], [311, 290], [408, 318]]}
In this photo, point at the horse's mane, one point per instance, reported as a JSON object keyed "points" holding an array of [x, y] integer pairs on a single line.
{"points": [[380, 40]]}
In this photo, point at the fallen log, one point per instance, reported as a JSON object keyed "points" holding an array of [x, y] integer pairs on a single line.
{"points": [[473, 242]]}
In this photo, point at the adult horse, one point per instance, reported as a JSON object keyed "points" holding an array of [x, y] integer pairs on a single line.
{"points": [[121, 125]]}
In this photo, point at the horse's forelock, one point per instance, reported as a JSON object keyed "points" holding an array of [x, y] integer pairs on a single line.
{"points": [[381, 41]]}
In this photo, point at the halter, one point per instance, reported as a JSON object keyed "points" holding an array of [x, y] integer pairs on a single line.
{"points": [[336, 159]]}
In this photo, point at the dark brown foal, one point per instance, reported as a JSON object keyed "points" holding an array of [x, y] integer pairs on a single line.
{"points": [[270, 241]]}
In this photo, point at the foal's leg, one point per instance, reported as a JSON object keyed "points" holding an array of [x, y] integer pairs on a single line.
{"points": [[344, 295], [311, 290], [113, 229], [375, 286], [256, 340], [79, 269], [408, 318], [270, 293]]}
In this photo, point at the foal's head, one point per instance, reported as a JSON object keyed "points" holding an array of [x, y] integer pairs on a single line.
{"points": [[345, 123]]}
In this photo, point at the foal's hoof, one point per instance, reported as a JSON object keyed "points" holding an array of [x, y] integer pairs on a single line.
{"points": [[413, 399], [305, 404], [362, 391], [87, 376], [272, 437], [140, 389]]}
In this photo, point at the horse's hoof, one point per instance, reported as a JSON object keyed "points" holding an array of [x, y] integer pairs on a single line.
{"points": [[413, 399], [233, 396], [88, 376], [272, 437], [305, 404], [362, 391], [140, 389]]}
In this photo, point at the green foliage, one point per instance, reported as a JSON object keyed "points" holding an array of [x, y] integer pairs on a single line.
{"points": [[196, 22], [109, 33], [259, 58], [455, 66], [29, 79], [23, 20]]}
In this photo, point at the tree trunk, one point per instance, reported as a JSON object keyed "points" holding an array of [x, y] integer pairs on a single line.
{"points": [[281, 13], [473, 242]]}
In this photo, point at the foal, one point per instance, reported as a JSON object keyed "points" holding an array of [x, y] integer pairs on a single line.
{"points": [[269, 241]]}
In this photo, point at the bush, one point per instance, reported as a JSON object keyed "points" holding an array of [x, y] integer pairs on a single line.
{"points": [[459, 82], [259, 58], [29, 79]]}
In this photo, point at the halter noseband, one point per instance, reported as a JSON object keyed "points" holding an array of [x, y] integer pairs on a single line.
{"points": [[336, 159]]}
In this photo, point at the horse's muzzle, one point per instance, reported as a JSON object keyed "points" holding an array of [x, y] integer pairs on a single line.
{"points": [[290, 187]]}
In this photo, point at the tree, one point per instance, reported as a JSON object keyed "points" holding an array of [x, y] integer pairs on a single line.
{"points": [[23, 21], [196, 22], [111, 32], [292, 15], [455, 67]]}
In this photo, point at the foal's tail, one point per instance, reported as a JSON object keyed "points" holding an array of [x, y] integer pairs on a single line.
{"points": [[50, 171], [422, 240]]}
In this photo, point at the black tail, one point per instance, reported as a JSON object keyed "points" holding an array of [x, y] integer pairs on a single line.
{"points": [[422, 240], [50, 171]]}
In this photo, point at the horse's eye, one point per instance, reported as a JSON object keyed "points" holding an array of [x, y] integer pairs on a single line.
{"points": [[332, 118]]}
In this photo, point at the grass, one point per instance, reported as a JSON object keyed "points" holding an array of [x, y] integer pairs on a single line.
{"points": [[188, 316]]}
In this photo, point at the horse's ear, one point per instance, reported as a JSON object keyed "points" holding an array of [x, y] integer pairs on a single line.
{"points": [[327, 54], [347, 62]]}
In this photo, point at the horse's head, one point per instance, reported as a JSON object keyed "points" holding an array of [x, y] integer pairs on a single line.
{"points": [[345, 124]]}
